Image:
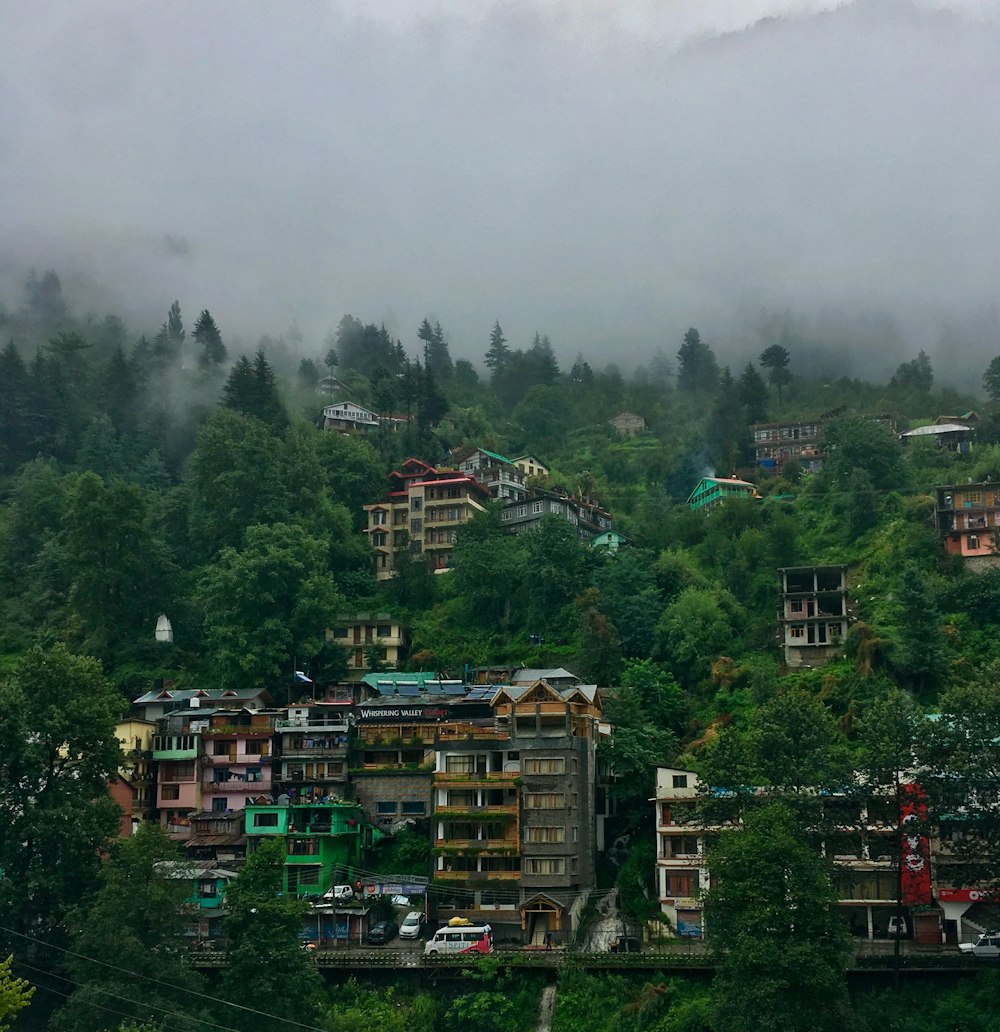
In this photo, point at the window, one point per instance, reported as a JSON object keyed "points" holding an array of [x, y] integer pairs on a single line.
{"points": [[795, 607], [680, 883], [576, 833], [522, 510], [206, 889], [220, 748], [254, 774], [459, 764], [265, 820], [170, 792], [545, 865], [416, 526], [544, 765], [797, 632], [384, 630], [416, 504], [255, 748], [680, 781], [303, 847], [506, 514], [536, 507], [414, 808], [544, 834], [680, 845], [302, 874], [387, 808], [544, 800], [973, 541], [378, 518], [219, 804]]}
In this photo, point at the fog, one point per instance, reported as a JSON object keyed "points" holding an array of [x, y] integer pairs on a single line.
{"points": [[607, 177]]}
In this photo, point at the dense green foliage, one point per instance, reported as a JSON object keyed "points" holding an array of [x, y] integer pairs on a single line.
{"points": [[160, 474]]}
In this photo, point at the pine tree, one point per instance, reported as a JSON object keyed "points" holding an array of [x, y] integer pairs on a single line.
{"points": [[14, 390], [697, 368], [175, 329], [753, 394], [207, 335], [498, 354], [270, 408]]}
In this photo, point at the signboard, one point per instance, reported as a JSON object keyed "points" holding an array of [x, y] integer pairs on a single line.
{"points": [[968, 895], [915, 868], [434, 712]]}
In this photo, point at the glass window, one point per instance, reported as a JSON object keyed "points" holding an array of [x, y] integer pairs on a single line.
{"points": [[387, 807], [680, 781], [544, 765], [265, 820], [414, 807]]}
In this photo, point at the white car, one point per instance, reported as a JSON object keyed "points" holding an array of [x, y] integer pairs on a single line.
{"points": [[412, 926], [987, 945], [339, 894]]}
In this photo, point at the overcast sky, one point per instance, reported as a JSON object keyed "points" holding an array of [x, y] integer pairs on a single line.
{"points": [[606, 173]]}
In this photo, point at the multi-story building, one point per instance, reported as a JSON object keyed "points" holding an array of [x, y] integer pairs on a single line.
{"points": [[531, 466], [801, 439], [514, 811], [421, 513], [176, 753], [312, 749], [347, 417], [368, 636], [134, 788], [522, 515], [499, 475], [236, 765], [181, 716], [320, 840], [967, 518], [814, 614], [776, 443], [862, 846], [207, 880], [713, 491]]}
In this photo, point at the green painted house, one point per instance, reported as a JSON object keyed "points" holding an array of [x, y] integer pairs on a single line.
{"points": [[712, 491], [320, 839]]}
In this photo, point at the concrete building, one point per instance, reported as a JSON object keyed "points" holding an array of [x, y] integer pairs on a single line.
{"points": [[967, 517], [862, 848], [368, 636], [499, 475], [421, 512], [813, 615]]}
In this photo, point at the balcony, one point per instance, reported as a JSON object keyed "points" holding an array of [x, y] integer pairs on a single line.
{"points": [[315, 752], [477, 876], [475, 812], [471, 777], [239, 785], [335, 722]]}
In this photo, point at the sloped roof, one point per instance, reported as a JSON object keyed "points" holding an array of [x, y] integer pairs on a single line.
{"points": [[528, 675], [934, 429]]}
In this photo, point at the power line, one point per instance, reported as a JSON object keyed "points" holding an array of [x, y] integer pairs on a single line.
{"points": [[66, 996], [158, 981]]}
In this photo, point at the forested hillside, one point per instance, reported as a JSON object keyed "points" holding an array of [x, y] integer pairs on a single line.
{"points": [[176, 471]]}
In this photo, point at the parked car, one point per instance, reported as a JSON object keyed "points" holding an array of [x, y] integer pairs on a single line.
{"points": [[412, 926], [339, 894], [987, 945], [625, 944], [382, 932]]}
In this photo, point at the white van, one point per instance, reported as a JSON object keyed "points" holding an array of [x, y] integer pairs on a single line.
{"points": [[460, 939]]}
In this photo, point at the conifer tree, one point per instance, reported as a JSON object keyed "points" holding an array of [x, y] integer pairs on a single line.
{"points": [[498, 354], [206, 334]]}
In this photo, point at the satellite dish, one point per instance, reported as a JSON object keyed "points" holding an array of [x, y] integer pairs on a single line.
{"points": [[164, 632]]}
